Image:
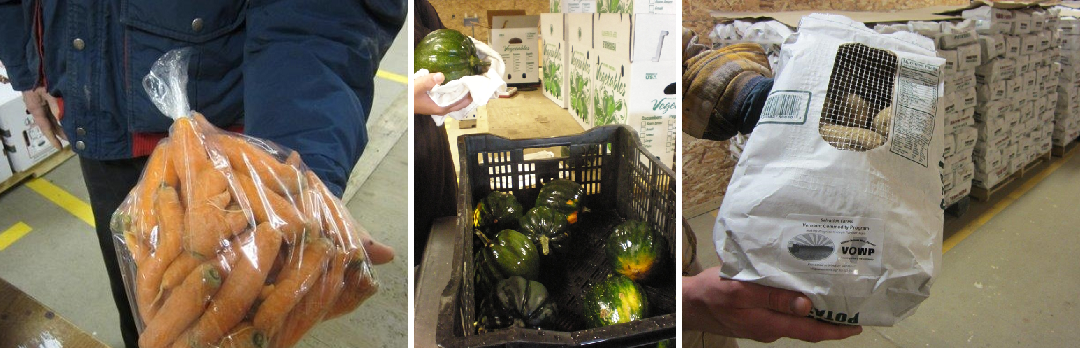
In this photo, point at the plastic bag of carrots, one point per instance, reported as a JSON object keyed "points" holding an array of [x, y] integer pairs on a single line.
{"points": [[229, 240]]}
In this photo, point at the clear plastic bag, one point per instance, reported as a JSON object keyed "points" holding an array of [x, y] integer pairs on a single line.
{"points": [[229, 240]]}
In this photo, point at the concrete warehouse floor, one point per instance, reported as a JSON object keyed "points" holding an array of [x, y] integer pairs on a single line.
{"points": [[1009, 281], [58, 262]]}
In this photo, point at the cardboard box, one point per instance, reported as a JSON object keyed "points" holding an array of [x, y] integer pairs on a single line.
{"points": [[572, 6], [991, 47], [968, 57], [996, 70], [951, 60], [5, 167], [1012, 46], [24, 142], [992, 92], [556, 58], [579, 36], [516, 39], [635, 78]]}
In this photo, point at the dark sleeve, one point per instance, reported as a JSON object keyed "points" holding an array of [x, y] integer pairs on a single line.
{"points": [[426, 20], [743, 115], [308, 77], [14, 38]]}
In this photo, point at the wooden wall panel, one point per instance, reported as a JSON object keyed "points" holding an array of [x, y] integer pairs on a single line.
{"points": [[453, 12], [696, 12]]}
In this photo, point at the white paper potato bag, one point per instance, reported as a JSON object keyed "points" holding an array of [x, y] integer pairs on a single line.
{"points": [[838, 194]]}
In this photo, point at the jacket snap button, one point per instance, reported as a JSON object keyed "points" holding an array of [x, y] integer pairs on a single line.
{"points": [[197, 24]]}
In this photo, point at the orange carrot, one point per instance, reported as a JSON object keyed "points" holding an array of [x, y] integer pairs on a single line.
{"points": [[266, 291], [268, 206], [244, 336], [293, 159], [178, 270], [301, 274], [240, 289], [170, 216], [237, 221], [359, 286], [158, 170], [315, 304], [335, 222], [248, 159], [188, 153], [206, 229], [210, 182], [184, 305], [137, 248]]}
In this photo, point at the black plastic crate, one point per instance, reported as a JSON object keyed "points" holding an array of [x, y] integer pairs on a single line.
{"points": [[621, 181]]}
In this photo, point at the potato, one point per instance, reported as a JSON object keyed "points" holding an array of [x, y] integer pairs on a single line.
{"points": [[850, 138], [883, 121]]}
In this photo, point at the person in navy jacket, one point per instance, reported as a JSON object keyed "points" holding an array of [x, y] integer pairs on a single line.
{"points": [[295, 72]]}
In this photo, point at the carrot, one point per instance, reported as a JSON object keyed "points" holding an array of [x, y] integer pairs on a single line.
{"points": [[266, 291], [293, 159], [240, 289], [248, 159], [183, 306], [188, 154], [178, 270], [170, 216], [237, 221], [300, 275], [335, 222], [315, 304], [244, 336], [359, 286], [206, 229], [210, 182], [268, 206], [158, 170], [137, 248]]}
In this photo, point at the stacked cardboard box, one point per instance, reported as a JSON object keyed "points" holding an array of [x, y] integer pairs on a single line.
{"points": [[1016, 87], [1067, 118], [958, 43]]}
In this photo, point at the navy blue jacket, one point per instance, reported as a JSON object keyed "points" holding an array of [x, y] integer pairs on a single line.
{"points": [[295, 72]]}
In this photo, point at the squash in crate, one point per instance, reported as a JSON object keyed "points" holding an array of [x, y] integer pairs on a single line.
{"points": [[615, 300], [546, 227], [563, 196], [635, 249]]}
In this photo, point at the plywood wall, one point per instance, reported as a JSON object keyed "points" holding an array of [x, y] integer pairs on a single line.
{"points": [[452, 12], [696, 12]]}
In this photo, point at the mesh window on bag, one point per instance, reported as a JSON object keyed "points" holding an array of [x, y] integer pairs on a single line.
{"points": [[858, 106]]}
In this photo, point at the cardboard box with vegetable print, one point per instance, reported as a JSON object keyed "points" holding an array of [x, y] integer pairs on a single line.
{"points": [[579, 37], [572, 6], [637, 66], [515, 38], [556, 58]]}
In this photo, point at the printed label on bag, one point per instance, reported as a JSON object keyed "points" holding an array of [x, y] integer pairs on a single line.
{"points": [[915, 110], [789, 107], [832, 245]]}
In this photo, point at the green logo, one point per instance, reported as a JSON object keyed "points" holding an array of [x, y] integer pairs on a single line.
{"points": [[579, 33], [551, 29]]}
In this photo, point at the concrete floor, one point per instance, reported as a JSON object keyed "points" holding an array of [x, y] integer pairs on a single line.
{"points": [[1011, 283], [60, 265]]}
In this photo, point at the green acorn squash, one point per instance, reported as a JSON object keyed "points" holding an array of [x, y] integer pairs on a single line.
{"points": [[499, 210], [515, 255], [450, 52], [546, 227], [615, 300], [635, 250], [563, 196], [524, 302]]}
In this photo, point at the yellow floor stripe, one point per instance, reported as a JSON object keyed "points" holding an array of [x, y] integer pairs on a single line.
{"points": [[968, 229], [8, 237], [392, 77], [62, 198]]}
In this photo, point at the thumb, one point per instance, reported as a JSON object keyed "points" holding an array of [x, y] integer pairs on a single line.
{"points": [[426, 83]]}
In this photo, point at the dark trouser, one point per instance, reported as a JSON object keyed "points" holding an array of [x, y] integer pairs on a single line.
{"points": [[434, 181], [108, 183]]}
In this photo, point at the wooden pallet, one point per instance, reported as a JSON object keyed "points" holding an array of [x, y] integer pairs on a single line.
{"points": [[959, 208], [1060, 151], [985, 194], [37, 170], [1030, 168]]}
